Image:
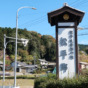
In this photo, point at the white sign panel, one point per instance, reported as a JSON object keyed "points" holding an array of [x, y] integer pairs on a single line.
{"points": [[67, 57]]}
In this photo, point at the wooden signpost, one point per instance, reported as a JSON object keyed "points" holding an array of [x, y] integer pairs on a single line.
{"points": [[66, 20]]}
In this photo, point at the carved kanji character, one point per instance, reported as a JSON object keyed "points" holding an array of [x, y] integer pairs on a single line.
{"points": [[63, 53], [70, 57], [63, 41], [63, 67]]}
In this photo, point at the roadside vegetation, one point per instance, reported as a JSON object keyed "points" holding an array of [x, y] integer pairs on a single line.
{"points": [[50, 81]]}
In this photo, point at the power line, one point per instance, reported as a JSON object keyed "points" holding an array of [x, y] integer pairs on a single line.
{"points": [[42, 18], [37, 22], [82, 28], [34, 21], [74, 2], [80, 3], [83, 34]]}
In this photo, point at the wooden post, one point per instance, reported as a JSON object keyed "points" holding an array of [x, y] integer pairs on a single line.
{"points": [[57, 59]]}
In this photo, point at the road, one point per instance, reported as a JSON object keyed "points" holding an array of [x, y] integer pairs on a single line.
{"points": [[20, 87]]}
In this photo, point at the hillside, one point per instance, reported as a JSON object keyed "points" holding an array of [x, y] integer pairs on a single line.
{"points": [[83, 53], [82, 47], [39, 46]]}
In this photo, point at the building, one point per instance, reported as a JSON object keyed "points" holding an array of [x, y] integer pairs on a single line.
{"points": [[46, 64], [25, 68], [51, 64], [43, 63], [83, 65]]}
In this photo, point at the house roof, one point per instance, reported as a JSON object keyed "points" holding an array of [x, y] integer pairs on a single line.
{"points": [[56, 15], [30, 66], [19, 64], [51, 63], [84, 63], [43, 60], [24, 65]]}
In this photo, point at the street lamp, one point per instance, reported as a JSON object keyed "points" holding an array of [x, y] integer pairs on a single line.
{"points": [[16, 42], [23, 41], [81, 28]]}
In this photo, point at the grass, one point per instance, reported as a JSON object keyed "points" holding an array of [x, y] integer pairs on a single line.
{"points": [[28, 80], [20, 82]]}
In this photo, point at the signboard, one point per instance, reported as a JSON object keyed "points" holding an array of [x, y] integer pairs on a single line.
{"points": [[66, 20], [66, 45]]}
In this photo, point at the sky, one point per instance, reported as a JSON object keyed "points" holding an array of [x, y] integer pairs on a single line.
{"points": [[37, 20]]}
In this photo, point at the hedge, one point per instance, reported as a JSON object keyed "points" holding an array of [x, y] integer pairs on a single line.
{"points": [[47, 82], [19, 77]]}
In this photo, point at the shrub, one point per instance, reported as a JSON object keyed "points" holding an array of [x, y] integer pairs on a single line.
{"points": [[51, 82], [42, 81], [39, 83], [50, 75], [84, 72], [19, 77]]}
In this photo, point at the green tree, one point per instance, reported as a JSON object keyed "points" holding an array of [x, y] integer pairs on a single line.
{"points": [[29, 59], [40, 46], [86, 50], [49, 43], [42, 51], [12, 57], [34, 45], [10, 49], [8, 62]]}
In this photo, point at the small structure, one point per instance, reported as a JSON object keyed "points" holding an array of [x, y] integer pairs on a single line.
{"points": [[47, 64], [51, 64], [83, 65], [43, 63], [25, 68]]}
